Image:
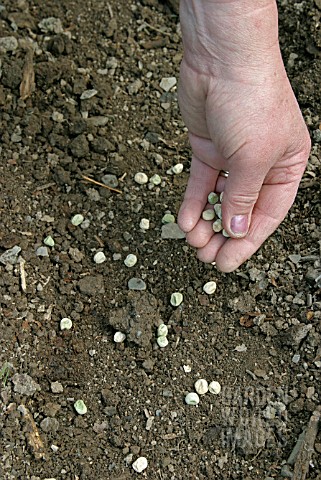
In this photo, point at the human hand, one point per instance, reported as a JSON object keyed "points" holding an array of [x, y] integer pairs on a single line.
{"points": [[242, 116]]}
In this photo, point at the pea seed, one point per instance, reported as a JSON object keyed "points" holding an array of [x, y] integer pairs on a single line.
{"points": [[162, 341], [212, 198], [201, 386], [217, 225], [77, 219], [144, 224], [192, 399], [140, 464], [214, 387], [130, 260], [178, 168], [209, 288], [141, 178], [155, 179], [162, 330], [176, 299], [119, 337], [218, 210], [225, 234], [168, 218], [65, 324], [99, 257], [208, 214], [80, 407]]}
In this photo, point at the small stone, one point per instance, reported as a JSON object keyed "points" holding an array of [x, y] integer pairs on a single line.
{"points": [[201, 386], [10, 257], [241, 348], [217, 226], [76, 254], [77, 219], [119, 337], [192, 399], [140, 464], [116, 256], [49, 241], [209, 288], [51, 25], [24, 384], [130, 260], [110, 180], [295, 258], [296, 358], [218, 210], [141, 178], [171, 231], [310, 392], [187, 368], [80, 407], [168, 218], [136, 284], [49, 425], [100, 257], [8, 44], [208, 214], [212, 198], [65, 324], [214, 387], [178, 168], [176, 299], [144, 224], [88, 94], [155, 179], [162, 341], [57, 117], [162, 330], [167, 83], [135, 86], [56, 387], [42, 252]]}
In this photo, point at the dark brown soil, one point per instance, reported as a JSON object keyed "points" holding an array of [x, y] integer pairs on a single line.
{"points": [[270, 308]]}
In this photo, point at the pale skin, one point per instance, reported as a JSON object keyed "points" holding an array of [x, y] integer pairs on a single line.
{"points": [[242, 116]]}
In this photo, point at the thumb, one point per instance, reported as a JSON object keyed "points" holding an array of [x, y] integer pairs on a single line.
{"points": [[241, 191]]}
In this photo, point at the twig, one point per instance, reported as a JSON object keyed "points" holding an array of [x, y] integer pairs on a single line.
{"points": [[302, 462], [32, 434], [101, 184], [110, 10], [122, 177], [145, 24], [23, 274]]}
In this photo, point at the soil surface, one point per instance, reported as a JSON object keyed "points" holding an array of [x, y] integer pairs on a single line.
{"points": [[81, 96]]}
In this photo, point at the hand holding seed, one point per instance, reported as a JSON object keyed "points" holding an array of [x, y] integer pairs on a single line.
{"points": [[242, 116]]}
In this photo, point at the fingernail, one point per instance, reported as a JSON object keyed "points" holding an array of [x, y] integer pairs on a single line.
{"points": [[239, 224]]}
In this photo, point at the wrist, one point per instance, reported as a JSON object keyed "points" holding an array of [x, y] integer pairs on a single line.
{"points": [[222, 35]]}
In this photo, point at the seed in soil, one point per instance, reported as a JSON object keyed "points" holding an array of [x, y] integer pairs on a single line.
{"points": [[140, 464], [209, 288], [65, 324], [212, 198], [168, 218], [218, 210], [77, 219], [162, 330], [176, 299], [225, 234], [178, 168], [80, 407], [192, 399], [217, 225], [49, 241], [214, 387], [201, 386], [155, 179], [162, 341], [130, 260], [141, 178], [144, 224], [119, 337], [208, 214], [99, 257]]}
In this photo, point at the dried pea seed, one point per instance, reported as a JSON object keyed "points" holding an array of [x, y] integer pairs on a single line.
{"points": [[130, 260], [65, 324], [201, 386], [218, 210], [168, 218], [217, 225], [225, 234], [192, 399], [49, 241], [77, 219], [162, 341], [208, 214], [80, 407], [209, 288], [214, 387], [141, 178], [162, 330], [212, 198], [176, 299], [119, 337], [178, 168]]}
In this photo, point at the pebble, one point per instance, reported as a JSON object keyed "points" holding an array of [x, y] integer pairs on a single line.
{"points": [[208, 214], [140, 464], [168, 218], [110, 180], [49, 425], [209, 288], [42, 252], [201, 386], [51, 24], [77, 219], [116, 256], [88, 94], [144, 224], [192, 399], [100, 257], [49, 241], [135, 86], [8, 44], [212, 198], [178, 168], [80, 407], [162, 341], [10, 256], [214, 387], [155, 179], [24, 384], [171, 231], [136, 284], [65, 324], [141, 178], [176, 299], [241, 348], [119, 337], [296, 358], [162, 330], [167, 83], [56, 387], [130, 260]]}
